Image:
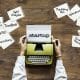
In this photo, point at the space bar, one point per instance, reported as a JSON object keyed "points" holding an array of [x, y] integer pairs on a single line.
{"points": [[38, 62]]}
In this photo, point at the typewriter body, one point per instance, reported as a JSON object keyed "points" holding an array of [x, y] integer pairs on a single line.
{"points": [[39, 47]]}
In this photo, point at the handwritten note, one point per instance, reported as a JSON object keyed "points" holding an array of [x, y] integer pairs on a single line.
{"points": [[74, 13], [6, 27], [11, 25], [75, 41], [2, 31], [6, 40], [16, 13], [61, 10]]}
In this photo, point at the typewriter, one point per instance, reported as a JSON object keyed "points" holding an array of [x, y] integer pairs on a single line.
{"points": [[39, 47]]}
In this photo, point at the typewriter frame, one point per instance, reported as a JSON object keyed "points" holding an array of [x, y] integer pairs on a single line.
{"points": [[46, 51]]}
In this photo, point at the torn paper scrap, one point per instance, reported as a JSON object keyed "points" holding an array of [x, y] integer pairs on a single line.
{"points": [[16, 14], [11, 25], [75, 41], [38, 33], [6, 40], [61, 10], [74, 13]]}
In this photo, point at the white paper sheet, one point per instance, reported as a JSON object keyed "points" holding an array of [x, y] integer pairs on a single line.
{"points": [[1, 33], [11, 25], [1, 24], [75, 41], [6, 40], [2, 29], [16, 13], [38, 33], [61, 10], [1, 19], [78, 23], [74, 13]]}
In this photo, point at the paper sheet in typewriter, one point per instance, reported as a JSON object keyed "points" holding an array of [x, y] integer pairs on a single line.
{"points": [[38, 33]]}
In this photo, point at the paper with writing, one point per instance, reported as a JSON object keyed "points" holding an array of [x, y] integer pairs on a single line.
{"points": [[11, 25], [38, 33], [74, 13], [75, 41], [6, 40], [61, 10], [16, 14]]}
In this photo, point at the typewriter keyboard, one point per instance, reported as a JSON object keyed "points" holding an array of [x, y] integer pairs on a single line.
{"points": [[38, 59]]}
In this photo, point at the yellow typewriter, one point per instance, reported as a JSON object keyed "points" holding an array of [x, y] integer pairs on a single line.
{"points": [[39, 52]]}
